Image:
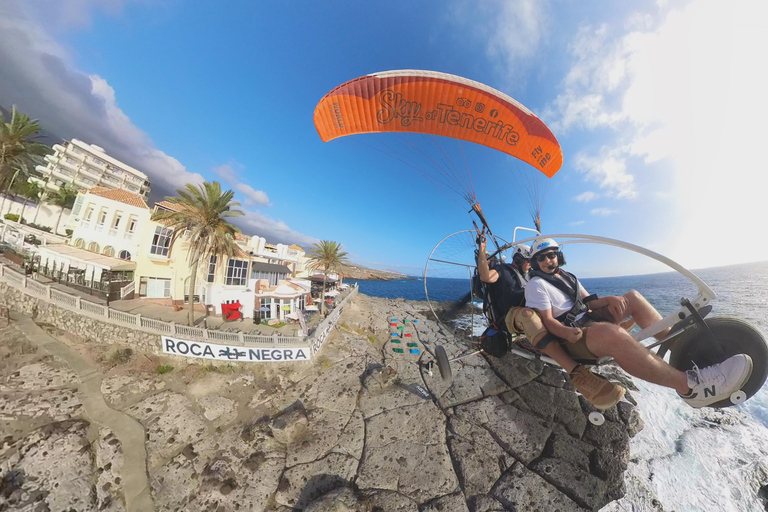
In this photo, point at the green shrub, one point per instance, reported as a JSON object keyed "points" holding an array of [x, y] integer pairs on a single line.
{"points": [[164, 368], [12, 216]]}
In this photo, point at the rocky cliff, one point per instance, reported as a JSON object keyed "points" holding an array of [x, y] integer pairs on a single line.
{"points": [[363, 427]]}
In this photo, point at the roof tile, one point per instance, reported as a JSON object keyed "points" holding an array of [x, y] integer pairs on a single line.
{"points": [[120, 195]]}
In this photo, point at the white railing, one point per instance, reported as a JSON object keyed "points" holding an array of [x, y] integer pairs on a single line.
{"points": [[153, 325], [156, 325], [122, 316], [223, 336], [95, 309], [127, 289], [38, 289], [187, 332], [63, 298]]}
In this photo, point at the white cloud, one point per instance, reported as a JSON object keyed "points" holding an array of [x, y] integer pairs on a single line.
{"points": [[252, 196], [513, 31], [603, 212], [586, 197], [40, 79], [686, 88], [577, 223], [609, 171], [258, 224], [38, 76]]}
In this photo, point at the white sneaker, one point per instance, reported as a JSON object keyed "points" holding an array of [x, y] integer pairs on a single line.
{"points": [[715, 383]]}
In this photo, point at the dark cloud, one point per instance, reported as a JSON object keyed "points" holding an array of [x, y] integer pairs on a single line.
{"points": [[37, 76]]}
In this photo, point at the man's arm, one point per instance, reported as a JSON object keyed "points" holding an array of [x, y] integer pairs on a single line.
{"points": [[570, 334], [486, 275]]}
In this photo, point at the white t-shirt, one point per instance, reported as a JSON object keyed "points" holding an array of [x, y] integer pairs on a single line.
{"points": [[539, 294]]}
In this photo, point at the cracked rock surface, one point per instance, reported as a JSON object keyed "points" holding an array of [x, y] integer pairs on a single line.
{"points": [[360, 428]]}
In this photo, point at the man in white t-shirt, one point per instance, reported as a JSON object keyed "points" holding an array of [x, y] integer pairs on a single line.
{"points": [[508, 297], [592, 328]]}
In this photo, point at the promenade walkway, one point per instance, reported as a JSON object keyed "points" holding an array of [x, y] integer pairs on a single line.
{"points": [[129, 431]]}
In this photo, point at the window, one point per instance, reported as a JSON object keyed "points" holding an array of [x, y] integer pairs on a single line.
{"points": [[237, 272], [78, 204], [124, 255], [79, 243], [161, 242], [211, 269], [93, 247], [109, 251], [116, 222], [102, 217], [70, 161], [265, 311], [155, 288], [76, 150], [132, 224], [97, 161]]}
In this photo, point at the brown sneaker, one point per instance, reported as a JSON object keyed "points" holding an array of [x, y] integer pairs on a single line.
{"points": [[598, 390]]}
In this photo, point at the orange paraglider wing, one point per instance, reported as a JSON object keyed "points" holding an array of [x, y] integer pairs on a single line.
{"points": [[438, 104]]}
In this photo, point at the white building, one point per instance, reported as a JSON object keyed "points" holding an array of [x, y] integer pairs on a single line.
{"points": [[86, 166], [290, 255]]}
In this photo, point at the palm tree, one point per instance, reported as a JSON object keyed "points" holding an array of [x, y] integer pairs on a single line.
{"points": [[29, 190], [326, 255], [200, 216], [64, 198], [18, 149]]}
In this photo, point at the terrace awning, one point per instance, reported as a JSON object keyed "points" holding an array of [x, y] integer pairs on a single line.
{"points": [[79, 257]]}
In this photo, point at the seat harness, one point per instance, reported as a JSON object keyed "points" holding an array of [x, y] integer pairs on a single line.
{"points": [[568, 284]]}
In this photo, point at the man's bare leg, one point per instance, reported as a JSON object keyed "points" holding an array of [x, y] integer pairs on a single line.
{"points": [[604, 339], [643, 312], [561, 357]]}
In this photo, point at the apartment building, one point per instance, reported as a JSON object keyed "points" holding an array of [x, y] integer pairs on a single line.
{"points": [[292, 256], [85, 166]]}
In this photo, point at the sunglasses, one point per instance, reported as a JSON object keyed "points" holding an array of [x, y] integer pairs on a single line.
{"points": [[547, 256]]}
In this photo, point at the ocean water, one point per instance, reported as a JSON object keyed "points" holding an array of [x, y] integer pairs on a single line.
{"points": [[689, 459]]}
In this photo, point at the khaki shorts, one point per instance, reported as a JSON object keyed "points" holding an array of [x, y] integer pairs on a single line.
{"points": [[533, 328]]}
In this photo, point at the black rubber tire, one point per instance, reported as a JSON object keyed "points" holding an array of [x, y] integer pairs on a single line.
{"points": [[734, 337], [442, 363]]}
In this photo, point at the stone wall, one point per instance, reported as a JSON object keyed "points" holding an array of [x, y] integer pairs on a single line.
{"points": [[80, 325]]}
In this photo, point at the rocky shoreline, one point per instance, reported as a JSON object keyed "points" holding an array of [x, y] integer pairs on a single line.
{"points": [[360, 428]]}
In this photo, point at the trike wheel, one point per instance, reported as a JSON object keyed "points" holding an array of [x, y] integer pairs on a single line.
{"points": [[442, 363], [734, 336]]}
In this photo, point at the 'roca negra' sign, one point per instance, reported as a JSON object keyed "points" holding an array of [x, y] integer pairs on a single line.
{"points": [[204, 350]]}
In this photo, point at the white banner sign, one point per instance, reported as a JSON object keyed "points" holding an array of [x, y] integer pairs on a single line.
{"points": [[205, 350]]}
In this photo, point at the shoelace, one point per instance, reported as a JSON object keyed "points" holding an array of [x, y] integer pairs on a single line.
{"points": [[708, 374], [590, 381]]}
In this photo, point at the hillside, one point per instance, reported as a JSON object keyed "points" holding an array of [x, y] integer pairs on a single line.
{"points": [[359, 272]]}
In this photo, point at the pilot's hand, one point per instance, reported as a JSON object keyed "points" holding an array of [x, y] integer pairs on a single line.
{"points": [[574, 335], [618, 306], [482, 242]]}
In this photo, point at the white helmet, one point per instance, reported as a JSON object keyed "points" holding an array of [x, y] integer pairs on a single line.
{"points": [[523, 250], [543, 244]]}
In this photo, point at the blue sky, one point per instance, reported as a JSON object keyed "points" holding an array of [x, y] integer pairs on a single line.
{"points": [[659, 108]]}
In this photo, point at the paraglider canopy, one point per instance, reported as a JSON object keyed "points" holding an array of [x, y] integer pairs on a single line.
{"points": [[438, 104]]}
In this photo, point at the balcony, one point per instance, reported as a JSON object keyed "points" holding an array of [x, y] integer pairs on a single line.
{"points": [[128, 235], [113, 232], [99, 227], [92, 172]]}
